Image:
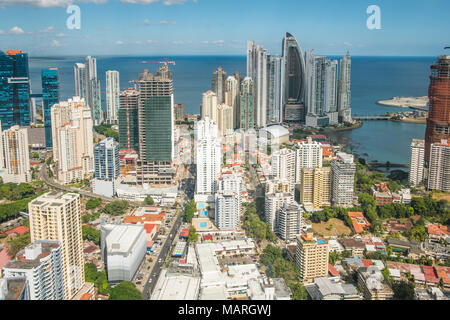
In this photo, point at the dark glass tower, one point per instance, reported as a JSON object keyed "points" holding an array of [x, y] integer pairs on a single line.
{"points": [[50, 97], [294, 80], [14, 89]]}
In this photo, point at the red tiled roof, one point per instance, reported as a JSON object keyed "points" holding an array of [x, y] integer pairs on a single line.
{"points": [[367, 263], [430, 275], [144, 218], [4, 258], [207, 237], [438, 229], [86, 296], [90, 249], [150, 226], [184, 232], [332, 270], [443, 273], [355, 216], [19, 230]]}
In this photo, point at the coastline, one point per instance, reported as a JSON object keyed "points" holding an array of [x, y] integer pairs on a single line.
{"points": [[412, 120], [405, 102]]}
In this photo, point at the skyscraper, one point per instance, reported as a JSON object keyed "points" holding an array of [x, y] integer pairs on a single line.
{"points": [[15, 89], [228, 210], [274, 89], [156, 127], [218, 84], [343, 173], [232, 98], [293, 80], [72, 134], [224, 119], [209, 106], [257, 70], [283, 166], [106, 167], [128, 120], [344, 91], [208, 156], [14, 156], [56, 216], [417, 160], [438, 122], [273, 202], [247, 115], [112, 95], [439, 166], [308, 156], [79, 71], [50, 97], [315, 187]]}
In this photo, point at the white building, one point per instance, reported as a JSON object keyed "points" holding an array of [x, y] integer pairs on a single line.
{"points": [[343, 180], [439, 166], [224, 119], [232, 98], [257, 70], [209, 106], [289, 221], [228, 210], [274, 109], [123, 249], [308, 156], [416, 161], [283, 166], [112, 96], [344, 91], [273, 202], [14, 155], [73, 145], [208, 156], [41, 264], [176, 287]]}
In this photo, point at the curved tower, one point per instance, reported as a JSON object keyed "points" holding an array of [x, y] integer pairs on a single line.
{"points": [[294, 80]]}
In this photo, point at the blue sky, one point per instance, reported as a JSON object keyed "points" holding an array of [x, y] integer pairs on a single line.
{"points": [[222, 27]]}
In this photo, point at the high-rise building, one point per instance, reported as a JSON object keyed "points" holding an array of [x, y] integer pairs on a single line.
{"points": [[56, 216], [232, 98], [343, 180], [438, 121], [50, 97], [283, 166], [247, 113], [15, 89], [315, 187], [123, 249], [274, 107], [73, 146], [112, 96], [106, 166], [209, 106], [224, 119], [273, 202], [308, 156], [417, 160], [156, 127], [311, 257], [293, 80], [288, 221], [218, 84], [41, 264], [14, 155], [208, 156], [439, 166], [344, 91], [128, 120], [179, 111], [257, 70], [228, 210], [79, 71]]}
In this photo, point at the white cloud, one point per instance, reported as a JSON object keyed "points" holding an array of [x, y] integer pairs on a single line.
{"points": [[146, 21], [348, 44], [56, 43], [140, 1], [177, 42], [171, 2], [167, 22], [16, 30], [2, 32], [118, 42], [60, 35], [47, 30], [46, 3]]}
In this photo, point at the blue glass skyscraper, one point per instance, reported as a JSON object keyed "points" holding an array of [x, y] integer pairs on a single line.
{"points": [[50, 97], [14, 89], [106, 159]]}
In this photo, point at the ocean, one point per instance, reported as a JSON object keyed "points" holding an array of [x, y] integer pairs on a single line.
{"points": [[373, 78]]}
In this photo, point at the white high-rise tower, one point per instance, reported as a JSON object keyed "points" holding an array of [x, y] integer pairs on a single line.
{"points": [[112, 95]]}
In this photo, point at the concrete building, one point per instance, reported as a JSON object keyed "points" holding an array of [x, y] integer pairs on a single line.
{"points": [[112, 96], [208, 156], [72, 134], [56, 216], [224, 119], [232, 99], [324, 289], [257, 70], [41, 264], [417, 160], [228, 210], [289, 221], [106, 166], [343, 180], [87, 86], [273, 202], [283, 166], [439, 166], [176, 287], [14, 155], [274, 109], [128, 120], [247, 108], [179, 111], [123, 249], [218, 84], [373, 285], [315, 187], [308, 156], [311, 257], [344, 90], [209, 106], [275, 134]]}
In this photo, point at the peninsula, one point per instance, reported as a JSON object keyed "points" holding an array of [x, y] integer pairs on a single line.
{"points": [[405, 102]]}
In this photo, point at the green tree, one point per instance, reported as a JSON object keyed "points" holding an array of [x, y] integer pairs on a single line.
{"points": [[93, 203], [125, 290], [403, 290], [193, 235], [116, 208], [189, 211], [18, 243], [148, 201], [91, 234]]}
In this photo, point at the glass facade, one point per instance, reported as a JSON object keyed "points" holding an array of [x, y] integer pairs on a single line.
{"points": [[14, 89], [106, 159], [50, 97]]}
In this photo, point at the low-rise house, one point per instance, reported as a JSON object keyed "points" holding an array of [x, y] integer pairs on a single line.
{"points": [[356, 247], [324, 289], [437, 232], [359, 222], [411, 248], [373, 285], [421, 293]]}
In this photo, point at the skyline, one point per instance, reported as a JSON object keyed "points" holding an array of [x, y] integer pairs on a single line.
{"points": [[184, 27]]}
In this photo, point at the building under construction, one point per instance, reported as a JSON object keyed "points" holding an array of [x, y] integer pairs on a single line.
{"points": [[438, 123]]}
